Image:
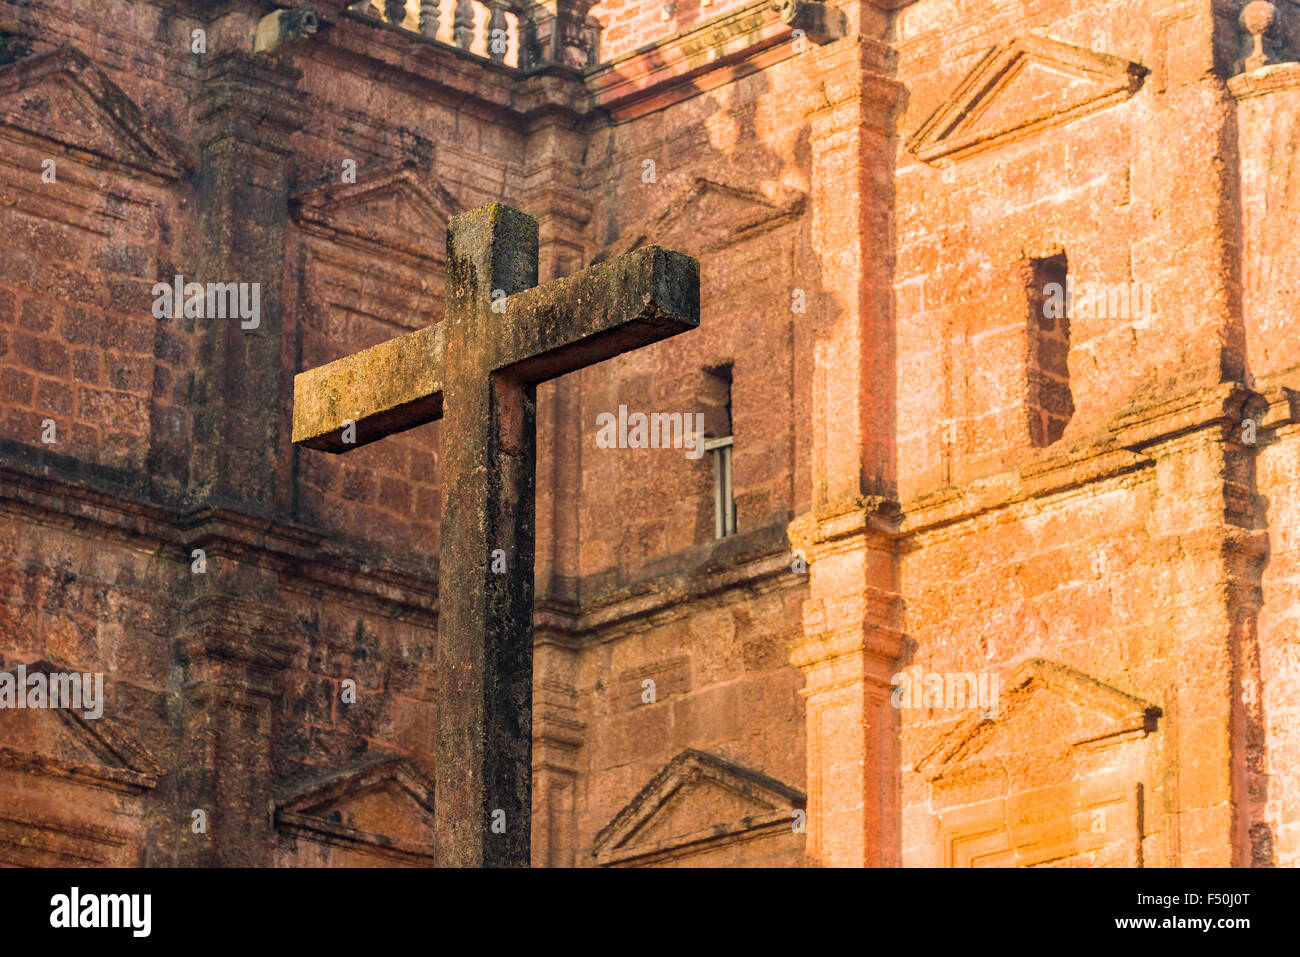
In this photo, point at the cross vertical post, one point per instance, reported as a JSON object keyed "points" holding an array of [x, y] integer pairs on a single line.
{"points": [[485, 627]]}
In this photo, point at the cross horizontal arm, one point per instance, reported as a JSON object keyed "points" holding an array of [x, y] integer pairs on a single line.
{"points": [[388, 388], [598, 313]]}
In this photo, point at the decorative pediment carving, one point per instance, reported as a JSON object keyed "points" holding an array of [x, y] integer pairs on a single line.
{"points": [[1018, 88], [1055, 707], [62, 98], [397, 211], [64, 743], [696, 801], [383, 807], [708, 214], [712, 53]]}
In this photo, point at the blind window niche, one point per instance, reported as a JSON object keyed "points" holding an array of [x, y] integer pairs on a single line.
{"points": [[1049, 403]]}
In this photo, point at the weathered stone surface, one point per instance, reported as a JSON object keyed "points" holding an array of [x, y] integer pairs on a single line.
{"points": [[381, 390], [500, 336], [872, 217]]}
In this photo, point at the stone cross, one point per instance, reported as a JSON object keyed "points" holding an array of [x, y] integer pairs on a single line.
{"points": [[478, 370]]}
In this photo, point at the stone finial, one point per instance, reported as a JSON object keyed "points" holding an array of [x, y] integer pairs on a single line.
{"points": [[558, 31], [1257, 19], [284, 26], [820, 22]]}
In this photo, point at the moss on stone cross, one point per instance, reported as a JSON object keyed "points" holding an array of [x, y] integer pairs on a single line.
{"points": [[478, 371]]}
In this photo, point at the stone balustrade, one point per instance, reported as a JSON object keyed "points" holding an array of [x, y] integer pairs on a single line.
{"points": [[489, 30], [514, 33]]}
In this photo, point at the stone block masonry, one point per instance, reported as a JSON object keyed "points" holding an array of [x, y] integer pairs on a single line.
{"points": [[931, 475]]}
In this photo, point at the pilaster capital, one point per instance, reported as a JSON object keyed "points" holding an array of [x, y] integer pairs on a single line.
{"points": [[848, 656], [249, 98], [865, 521]]}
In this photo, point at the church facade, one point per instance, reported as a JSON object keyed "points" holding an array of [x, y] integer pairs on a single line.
{"points": [[958, 534]]}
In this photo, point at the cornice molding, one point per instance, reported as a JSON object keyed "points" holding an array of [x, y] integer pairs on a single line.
{"points": [[1274, 78], [308, 559], [1121, 446]]}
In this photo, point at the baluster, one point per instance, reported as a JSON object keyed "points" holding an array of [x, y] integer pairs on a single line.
{"points": [[463, 24], [396, 11], [1258, 18], [497, 31], [429, 14]]}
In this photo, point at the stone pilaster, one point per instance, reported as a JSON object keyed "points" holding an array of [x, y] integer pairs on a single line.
{"points": [[233, 641], [231, 651], [851, 373], [245, 114], [558, 735], [552, 190], [852, 618], [852, 640]]}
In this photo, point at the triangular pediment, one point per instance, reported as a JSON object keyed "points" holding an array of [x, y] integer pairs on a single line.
{"points": [[1046, 711], [697, 800], [63, 742], [1021, 87], [61, 97], [396, 211], [709, 213], [383, 806]]}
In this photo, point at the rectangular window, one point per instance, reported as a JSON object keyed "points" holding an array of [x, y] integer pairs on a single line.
{"points": [[714, 399], [724, 506]]}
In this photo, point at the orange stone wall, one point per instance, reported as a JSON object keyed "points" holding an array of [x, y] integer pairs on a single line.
{"points": [[867, 213], [1126, 551]]}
